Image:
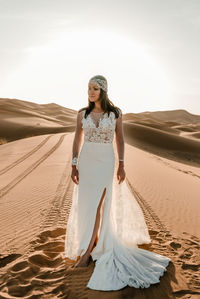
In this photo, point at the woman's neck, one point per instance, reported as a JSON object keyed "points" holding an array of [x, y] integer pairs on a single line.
{"points": [[97, 109]]}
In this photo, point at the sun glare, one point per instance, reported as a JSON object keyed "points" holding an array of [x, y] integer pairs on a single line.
{"points": [[69, 61]]}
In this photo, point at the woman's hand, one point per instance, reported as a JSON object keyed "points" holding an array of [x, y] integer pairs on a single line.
{"points": [[121, 173], [75, 175]]}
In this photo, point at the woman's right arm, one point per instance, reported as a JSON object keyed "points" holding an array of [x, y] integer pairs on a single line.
{"points": [[76, 144]]}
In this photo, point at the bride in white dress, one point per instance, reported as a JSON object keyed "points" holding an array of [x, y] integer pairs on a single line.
{"points": [[106, 223]]}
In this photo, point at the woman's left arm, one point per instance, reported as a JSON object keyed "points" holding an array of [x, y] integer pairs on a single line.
{"points": [[120, 148]]}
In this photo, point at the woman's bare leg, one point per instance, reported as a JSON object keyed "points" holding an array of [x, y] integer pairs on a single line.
{"points": [[85, 257]]}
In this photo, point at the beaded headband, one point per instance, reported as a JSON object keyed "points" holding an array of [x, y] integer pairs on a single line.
{"points": [[100, 82]]}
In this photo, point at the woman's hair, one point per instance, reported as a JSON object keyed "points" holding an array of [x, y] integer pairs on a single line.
{"points": [[106, 104]]}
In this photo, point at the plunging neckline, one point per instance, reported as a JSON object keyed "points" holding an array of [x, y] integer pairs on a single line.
{"points": [[99, 119]]}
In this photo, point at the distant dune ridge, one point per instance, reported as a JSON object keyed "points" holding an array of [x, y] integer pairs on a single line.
{"points": [[162, 164], [174, 134], [20, 119]]}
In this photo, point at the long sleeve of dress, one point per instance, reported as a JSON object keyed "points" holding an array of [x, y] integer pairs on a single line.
{"points": [[78, 136], [119, 134]]}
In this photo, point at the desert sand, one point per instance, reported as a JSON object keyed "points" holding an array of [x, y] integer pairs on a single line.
{"points": [[162, 164]]}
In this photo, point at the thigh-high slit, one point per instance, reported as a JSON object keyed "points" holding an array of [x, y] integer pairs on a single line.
{"points": [[95, 234]]}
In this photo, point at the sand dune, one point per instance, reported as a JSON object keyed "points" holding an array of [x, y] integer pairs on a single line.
{"points": [[35, 201], [180, 116], [21, 119], [163, 143]]}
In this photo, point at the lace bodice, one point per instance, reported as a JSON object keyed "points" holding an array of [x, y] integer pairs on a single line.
{"points": [[99, 127]]}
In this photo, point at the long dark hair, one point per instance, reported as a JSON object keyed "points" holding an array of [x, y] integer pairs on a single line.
{"points": [[106, 104]]}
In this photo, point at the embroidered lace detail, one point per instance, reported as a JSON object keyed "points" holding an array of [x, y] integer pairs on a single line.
{"points": [[98, 127]]}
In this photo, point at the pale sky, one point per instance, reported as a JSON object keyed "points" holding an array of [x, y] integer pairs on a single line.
{"points": [[147, 49]]}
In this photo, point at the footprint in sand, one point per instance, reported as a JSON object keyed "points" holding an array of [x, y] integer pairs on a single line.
{"points": [[41, 273]]}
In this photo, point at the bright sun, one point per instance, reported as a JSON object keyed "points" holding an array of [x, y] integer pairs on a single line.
{"points": [[63, 67]]}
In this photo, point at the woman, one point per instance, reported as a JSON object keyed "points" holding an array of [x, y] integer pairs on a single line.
{"points": [[105, 221]]}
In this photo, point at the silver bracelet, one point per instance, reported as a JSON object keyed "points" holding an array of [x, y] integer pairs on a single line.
{"points": [[74, 161], [121, 160]]}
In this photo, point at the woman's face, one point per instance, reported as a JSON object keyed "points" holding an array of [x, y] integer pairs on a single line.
{"points": [[93, 92]]}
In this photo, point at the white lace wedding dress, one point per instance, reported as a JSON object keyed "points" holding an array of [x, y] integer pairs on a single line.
{"points": [[119, 261]]}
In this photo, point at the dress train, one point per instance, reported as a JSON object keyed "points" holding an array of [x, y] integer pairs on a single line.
{"points": [[118, 260]]}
